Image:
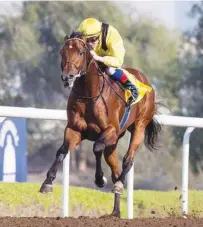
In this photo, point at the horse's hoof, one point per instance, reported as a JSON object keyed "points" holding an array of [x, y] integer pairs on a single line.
{"points": [[113, 214], [102, 183], [118, 188], [46, 188]]}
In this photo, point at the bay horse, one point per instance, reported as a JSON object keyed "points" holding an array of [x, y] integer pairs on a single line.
{"points": [[95, 108]]}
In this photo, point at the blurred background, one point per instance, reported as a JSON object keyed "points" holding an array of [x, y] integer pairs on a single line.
{"points": [[162, 39]]}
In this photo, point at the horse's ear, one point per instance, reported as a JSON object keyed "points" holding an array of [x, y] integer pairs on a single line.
{"points": [[66, 38], [72, 34]]}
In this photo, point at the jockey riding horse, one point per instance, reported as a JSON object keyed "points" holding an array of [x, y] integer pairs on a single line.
{"points": [[107, 47]]}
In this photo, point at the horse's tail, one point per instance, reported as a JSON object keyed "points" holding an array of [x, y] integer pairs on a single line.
{"points": [[152, 131]]}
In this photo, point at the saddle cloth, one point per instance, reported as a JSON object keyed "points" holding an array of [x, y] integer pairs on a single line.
{"points": [[142, 88]]}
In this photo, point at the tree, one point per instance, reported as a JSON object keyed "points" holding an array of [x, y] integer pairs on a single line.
{"points": [[191, 89]]}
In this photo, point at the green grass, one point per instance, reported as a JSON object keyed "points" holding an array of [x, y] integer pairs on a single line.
{"points": [[23, 199]]}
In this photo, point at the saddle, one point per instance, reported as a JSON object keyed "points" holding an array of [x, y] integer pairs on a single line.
{"points": [[142, 88]]}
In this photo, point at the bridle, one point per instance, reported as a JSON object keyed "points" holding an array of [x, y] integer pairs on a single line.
{"points": [[80, 72], [83, 73]]}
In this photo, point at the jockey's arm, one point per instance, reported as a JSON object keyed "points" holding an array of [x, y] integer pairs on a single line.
{"points": [[116, 58], [116, 50], [117, 53]]}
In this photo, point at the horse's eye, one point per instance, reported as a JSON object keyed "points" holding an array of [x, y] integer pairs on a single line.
{"points": [[80, 53]]}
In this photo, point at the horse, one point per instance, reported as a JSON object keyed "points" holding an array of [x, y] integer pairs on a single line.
{"points": [[95, 107]]}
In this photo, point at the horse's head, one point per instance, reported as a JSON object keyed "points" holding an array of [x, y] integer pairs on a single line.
{"points": [[73, 59]]}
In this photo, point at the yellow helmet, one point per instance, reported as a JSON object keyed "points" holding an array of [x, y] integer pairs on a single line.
{"points": [[90, 27]]}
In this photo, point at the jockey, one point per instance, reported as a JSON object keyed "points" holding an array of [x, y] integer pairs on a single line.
{"points": [[107, 47]]}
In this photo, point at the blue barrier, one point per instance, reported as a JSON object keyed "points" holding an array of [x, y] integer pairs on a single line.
{"points": [[13, 150]]}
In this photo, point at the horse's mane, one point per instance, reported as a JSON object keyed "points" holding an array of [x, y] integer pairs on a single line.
{"points": [[74, 35]]}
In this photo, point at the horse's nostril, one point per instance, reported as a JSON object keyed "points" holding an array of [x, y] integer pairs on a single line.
{"points": [[62, 78], [71, 76]]}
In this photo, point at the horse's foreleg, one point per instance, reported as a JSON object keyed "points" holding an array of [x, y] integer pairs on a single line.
{"points": [[111, 157], [71, 139], [100, 179], [137, 136], [108, 137]]}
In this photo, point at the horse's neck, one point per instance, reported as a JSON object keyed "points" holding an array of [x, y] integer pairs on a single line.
{"points": [[93, 81]]}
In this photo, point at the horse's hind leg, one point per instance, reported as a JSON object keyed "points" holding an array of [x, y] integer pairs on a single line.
{"points": [[71, 139], [137, 136], [111, 157]]}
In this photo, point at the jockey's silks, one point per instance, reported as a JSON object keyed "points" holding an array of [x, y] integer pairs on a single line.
{"points": [[114, 55], [120, 76]]}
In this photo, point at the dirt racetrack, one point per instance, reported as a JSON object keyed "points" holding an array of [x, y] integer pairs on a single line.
{"points": [[99, 222]]}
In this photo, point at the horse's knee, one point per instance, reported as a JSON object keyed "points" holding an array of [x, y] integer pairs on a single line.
{"points": [[109, 137], [72, 138], [112, 138]]}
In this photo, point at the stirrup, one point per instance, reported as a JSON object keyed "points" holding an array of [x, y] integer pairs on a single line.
{"points": [[133, 98], [130, 101]]}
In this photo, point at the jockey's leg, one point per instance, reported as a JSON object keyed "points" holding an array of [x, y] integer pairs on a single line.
{"points": [[119, 75]]}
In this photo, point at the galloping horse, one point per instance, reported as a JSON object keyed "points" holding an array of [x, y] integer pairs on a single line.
{"points": [[94, 111]]}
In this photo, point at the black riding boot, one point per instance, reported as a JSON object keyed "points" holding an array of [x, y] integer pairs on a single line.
{"points": [[133, 89]]}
